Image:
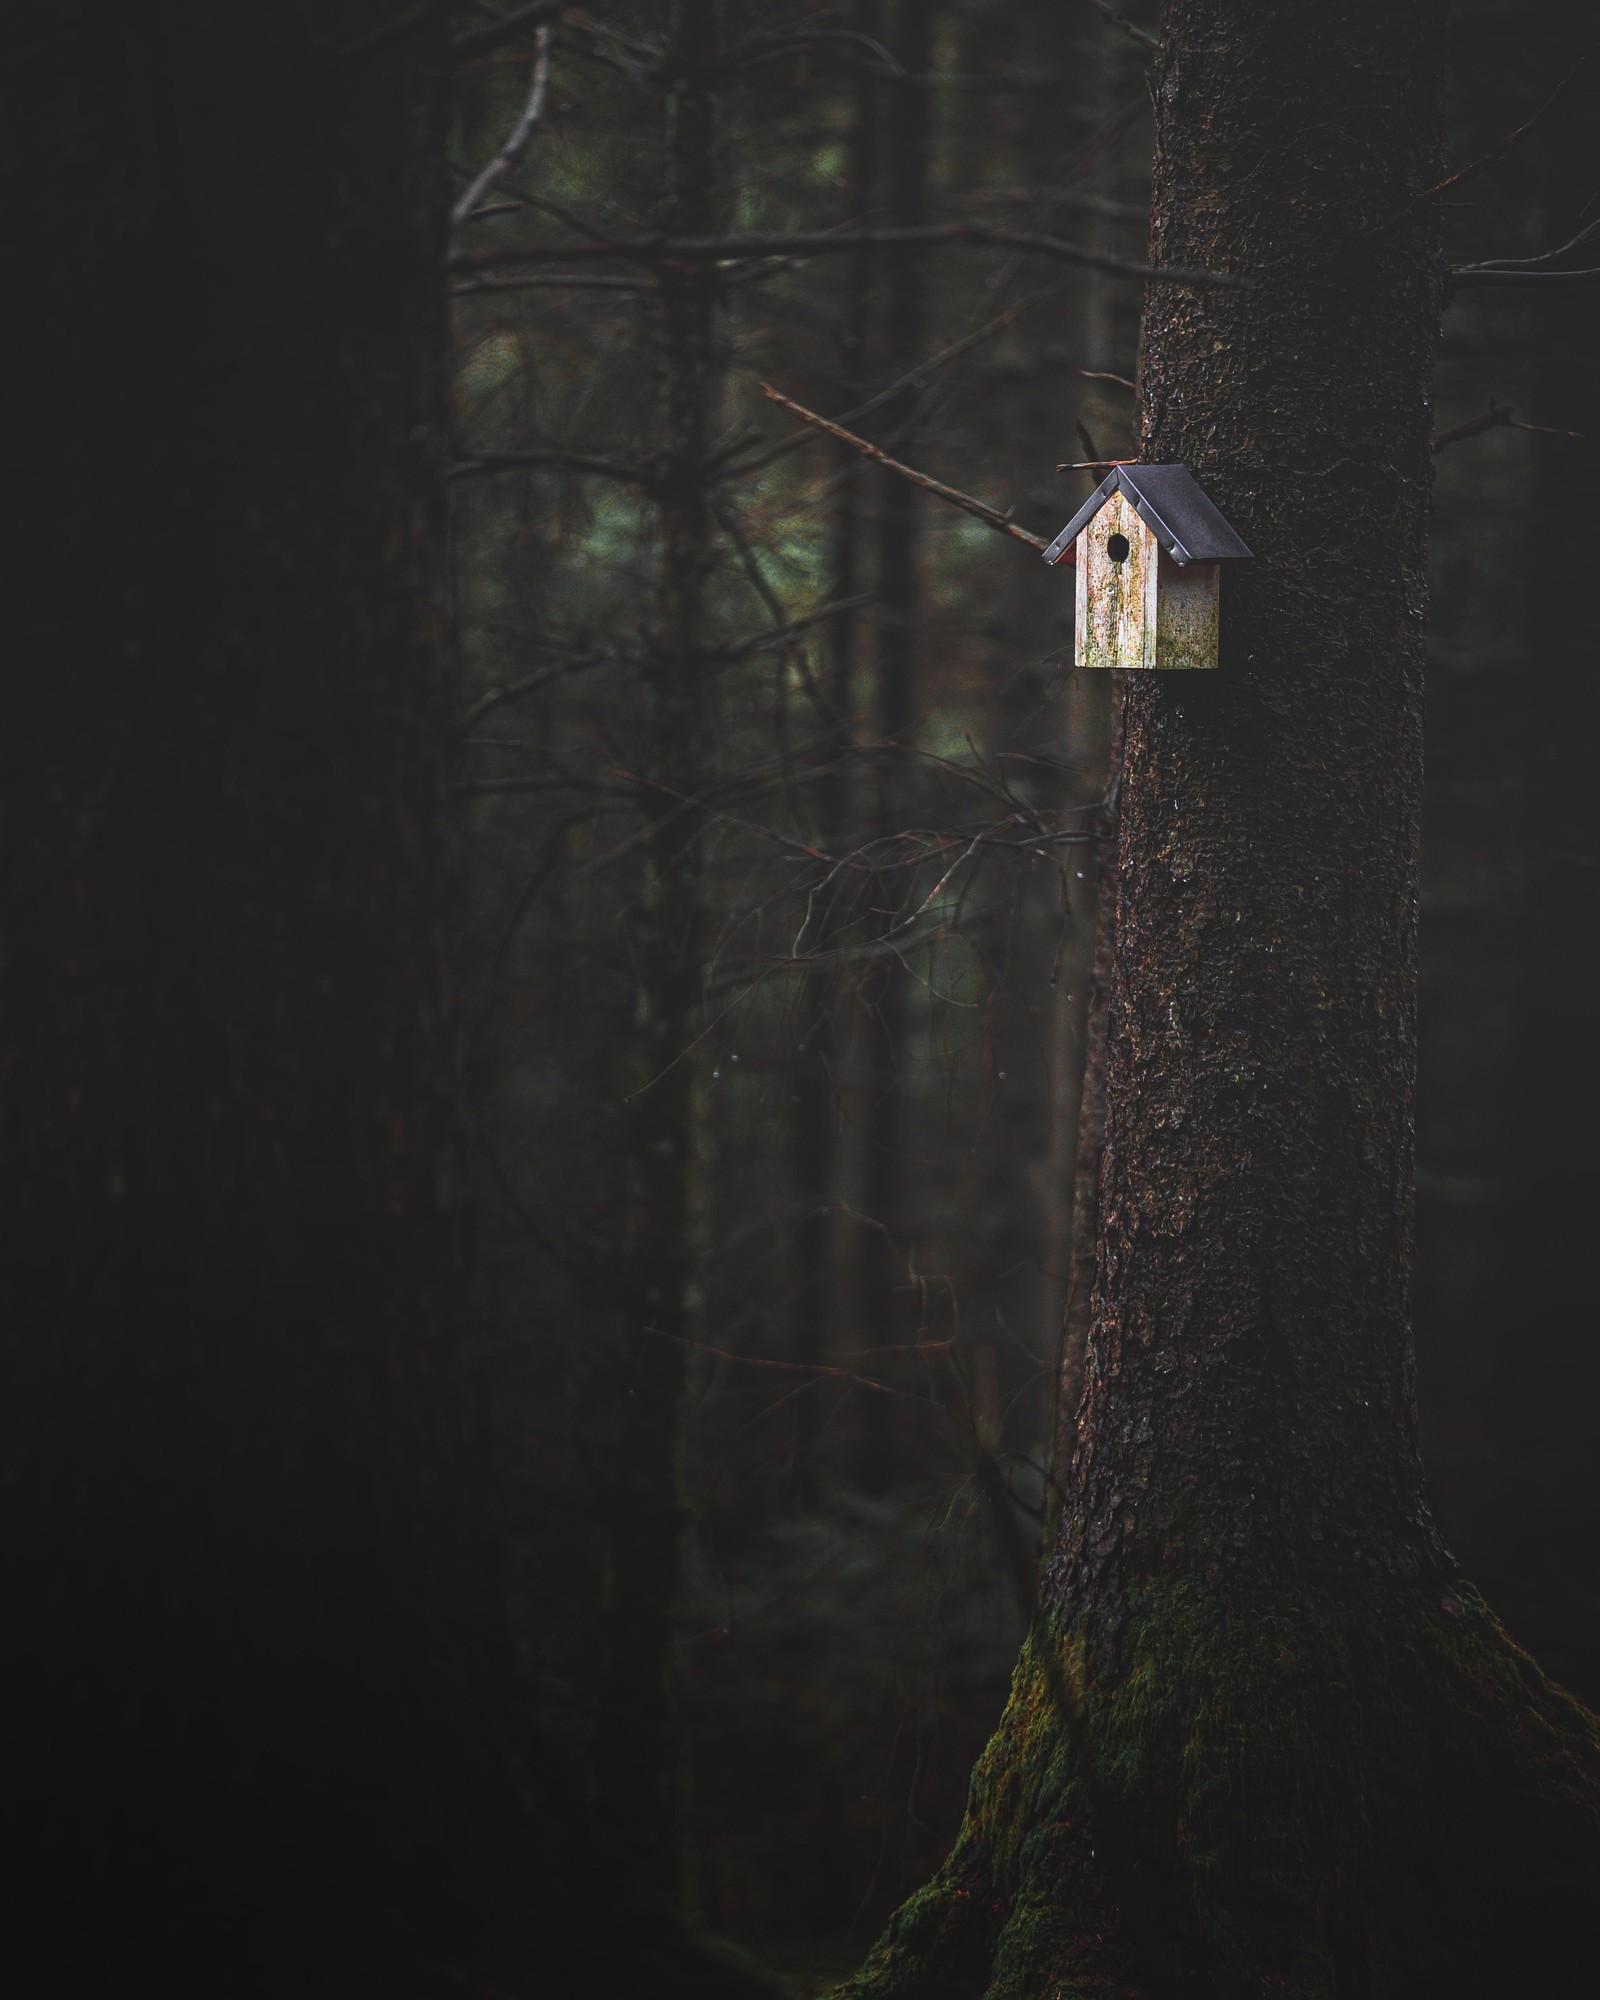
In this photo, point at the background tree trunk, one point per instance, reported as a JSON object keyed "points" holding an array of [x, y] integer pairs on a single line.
{"points": [[1266, 1737], [637, 1754], [888, 1056], [259, 1699]]}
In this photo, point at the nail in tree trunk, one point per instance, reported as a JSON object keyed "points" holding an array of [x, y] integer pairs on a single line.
{"points": [[1265, 1737]]}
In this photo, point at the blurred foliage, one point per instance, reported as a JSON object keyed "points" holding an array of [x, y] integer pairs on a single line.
{"points": [[847, 1611]]}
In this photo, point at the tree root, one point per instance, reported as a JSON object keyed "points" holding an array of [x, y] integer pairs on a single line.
{"points": [[1244, 1799]]}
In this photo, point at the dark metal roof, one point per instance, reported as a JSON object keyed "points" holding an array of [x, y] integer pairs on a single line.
{"points": [[1170, 504]]}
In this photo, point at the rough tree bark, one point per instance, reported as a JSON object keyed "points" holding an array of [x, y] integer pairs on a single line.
{"points": [[1265, 1737]]}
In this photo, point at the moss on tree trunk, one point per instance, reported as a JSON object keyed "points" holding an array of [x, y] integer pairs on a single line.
{"points": [[1264, 1737]]}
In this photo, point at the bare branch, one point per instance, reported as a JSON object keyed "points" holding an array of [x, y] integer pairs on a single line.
{"points": [[1484, 161], [516, 690], [482, 463], [1477, 275], [517, 143], [479, 41], [1498, 416], [553, 281], [912, 379], [691, 250], [780, 635], [1542, 261], [1108, 13], [771, 48], [979, 509]]}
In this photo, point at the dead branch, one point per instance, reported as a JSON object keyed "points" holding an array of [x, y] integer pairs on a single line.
{"points": [[1490, 274], [692, 250], [781, 635], [482, 463], [517, 142], [773, 47], [914, 378], [1108, 13], [553, 281], [1498, 416], [979, 509], [479, 41], [1484, 161], [1542, 261], [517, 690]]}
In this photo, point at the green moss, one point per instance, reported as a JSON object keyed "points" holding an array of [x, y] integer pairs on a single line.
{"points": [[1315, 1795]]}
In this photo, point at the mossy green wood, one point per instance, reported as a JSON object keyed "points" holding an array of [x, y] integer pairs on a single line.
{"points": [[1265, 1738], [1188, 614]]}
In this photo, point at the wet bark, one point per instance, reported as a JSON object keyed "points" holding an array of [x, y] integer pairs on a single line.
{"points": [[1085, 1209], [1265, 1737]]}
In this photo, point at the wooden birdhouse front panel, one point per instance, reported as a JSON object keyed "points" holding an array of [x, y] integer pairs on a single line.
{"points": [[1149, 548], [1118, 572]]}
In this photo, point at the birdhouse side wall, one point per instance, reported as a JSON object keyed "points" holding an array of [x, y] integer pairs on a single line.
{"points": [[1116, 601], [1187, 613]]}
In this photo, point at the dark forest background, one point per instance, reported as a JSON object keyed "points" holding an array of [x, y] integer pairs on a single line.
{"points": [[779, 803], [741, 1101]]}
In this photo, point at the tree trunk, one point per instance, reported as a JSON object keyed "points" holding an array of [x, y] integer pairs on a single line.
{"points": [[1264, 1737], [815, 1094], [259, 1697], [1084, 1234], [638, 1769], [886, 1314]]}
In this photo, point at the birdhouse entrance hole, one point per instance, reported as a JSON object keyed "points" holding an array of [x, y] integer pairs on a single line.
{"points": [[1149, 550]]}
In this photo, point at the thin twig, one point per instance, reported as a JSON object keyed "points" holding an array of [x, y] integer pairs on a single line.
{"points": [[1484, 161], [770, 47], [1498, 416], [553, 281], [517, 144], [979, 509], [482, 463], [1545, 258], [912, 379], [478, 41], [780, 635], [516, 690], [1477, 275], [692, 250], [1109, 13]]}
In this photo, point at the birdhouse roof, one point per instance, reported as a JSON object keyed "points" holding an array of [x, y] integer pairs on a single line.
{"points": [[1169, 502]]}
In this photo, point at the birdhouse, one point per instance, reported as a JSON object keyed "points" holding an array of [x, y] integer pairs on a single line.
{"points": [[1149, 553]]}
